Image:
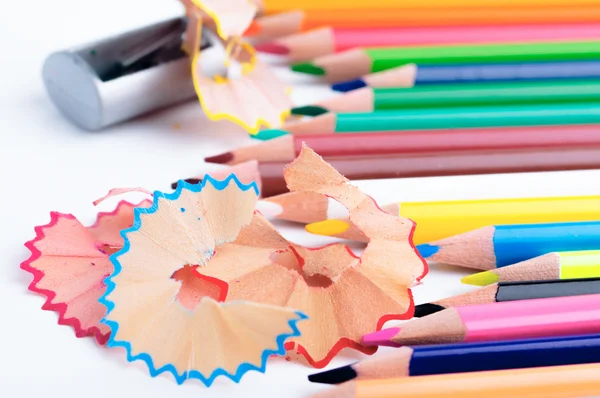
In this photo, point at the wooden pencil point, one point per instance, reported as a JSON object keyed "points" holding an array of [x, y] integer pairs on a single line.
{"points": [[309, 110], [334, 376], [270, 134], [308, 68], [350, 85], [328, 227], [272, 48], [422, 310], [223, 158], [480, 279], [174, 185]]}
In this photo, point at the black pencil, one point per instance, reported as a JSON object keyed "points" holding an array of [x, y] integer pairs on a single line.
{"points": [[513, 291]]}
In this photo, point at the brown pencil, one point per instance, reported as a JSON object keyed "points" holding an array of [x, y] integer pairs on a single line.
{"points": [[548, 382], [286, 148], [440, 164]]}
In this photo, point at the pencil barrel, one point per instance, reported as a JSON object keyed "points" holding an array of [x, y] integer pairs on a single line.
{"points": [[387, 58], [470, 117], [506, 93]]}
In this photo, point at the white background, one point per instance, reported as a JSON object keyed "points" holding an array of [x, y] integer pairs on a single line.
{"points": [[47, 164]]}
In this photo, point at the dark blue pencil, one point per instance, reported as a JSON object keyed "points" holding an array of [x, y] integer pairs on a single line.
{"points": [[469, 357], [439, 74]]}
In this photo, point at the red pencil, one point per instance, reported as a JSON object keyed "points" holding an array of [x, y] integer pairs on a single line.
{"points": [[286, 148], [309, 45]]}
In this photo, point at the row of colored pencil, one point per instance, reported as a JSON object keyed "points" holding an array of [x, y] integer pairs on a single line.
{"points": [[453, 87], [530, 114]]}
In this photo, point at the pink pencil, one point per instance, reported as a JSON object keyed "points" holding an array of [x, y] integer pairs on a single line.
{"points": [[558, 316], [315, 43]]}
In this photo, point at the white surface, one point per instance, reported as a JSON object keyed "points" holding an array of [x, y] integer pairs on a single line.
{"points": [[47, 164]]}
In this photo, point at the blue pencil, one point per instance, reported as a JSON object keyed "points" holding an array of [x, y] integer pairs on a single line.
{"points": [[469, 357], [439, 74], [501, 245]]}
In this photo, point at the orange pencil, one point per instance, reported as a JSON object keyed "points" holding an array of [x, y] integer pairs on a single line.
{"points": [[548, 382], [297, 21]]}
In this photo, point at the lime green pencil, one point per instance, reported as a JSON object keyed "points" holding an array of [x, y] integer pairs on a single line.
{"points": [[369, 99], [551, 266], [450, 118], [352, 64]]}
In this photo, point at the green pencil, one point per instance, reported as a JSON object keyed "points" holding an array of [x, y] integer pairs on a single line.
{"points": [[450, 118], [459, 95], [352, 64]]}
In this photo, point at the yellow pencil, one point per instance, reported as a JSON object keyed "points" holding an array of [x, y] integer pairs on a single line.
{"points": [[274, 6], [438, 220]]}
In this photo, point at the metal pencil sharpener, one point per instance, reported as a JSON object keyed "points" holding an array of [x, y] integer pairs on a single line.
{"points": [[119, 78]]}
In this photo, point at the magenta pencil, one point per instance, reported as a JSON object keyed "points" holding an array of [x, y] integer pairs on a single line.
{"points": [[316, 43], [548, 317]]}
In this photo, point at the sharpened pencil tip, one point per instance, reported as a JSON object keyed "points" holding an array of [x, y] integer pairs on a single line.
{"points": [[308, 68], [427, 250], [272, 48], [327, 227], [223, 158], [422, 310], [253, 30], [189, 181], [309, 110], [334, 376], [381, 338], [349, 85], [480, 279], [267, 135]]}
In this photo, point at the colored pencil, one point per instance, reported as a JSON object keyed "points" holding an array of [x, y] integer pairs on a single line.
{"points": [[299, 207], [450, 118], [469, 357], [509, 320], [556, 265], [274, 6], [411, 75], [317, 43], [513, 291], [438, 220], [498, 246], [287, 147], [443, 163], [547, 382], [269, 27], [386, 18], [458, 95], [355, 63]]}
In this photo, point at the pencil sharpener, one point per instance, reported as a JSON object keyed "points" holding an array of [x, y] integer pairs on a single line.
{"points": [[119, 78]]}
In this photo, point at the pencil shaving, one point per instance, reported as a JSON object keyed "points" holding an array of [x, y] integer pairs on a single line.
{"points": [[373, 288], [256, 98], [252, 98], [160, 285], [389, 235], [69, 263], [232, 17]]}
